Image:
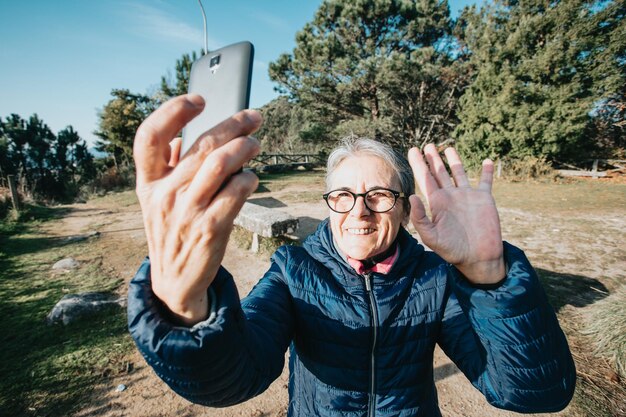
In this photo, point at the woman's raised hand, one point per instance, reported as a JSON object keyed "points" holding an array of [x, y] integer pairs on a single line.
{"points": [[189, 205], [464, 228]]}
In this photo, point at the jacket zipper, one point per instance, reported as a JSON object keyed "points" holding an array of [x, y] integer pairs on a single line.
{"points": [[374, 321]]}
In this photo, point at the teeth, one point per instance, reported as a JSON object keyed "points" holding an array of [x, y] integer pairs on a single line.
{"points": [[360, 231]]}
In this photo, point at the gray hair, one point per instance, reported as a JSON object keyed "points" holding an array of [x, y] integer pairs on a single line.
{"points": [[354, 146]]}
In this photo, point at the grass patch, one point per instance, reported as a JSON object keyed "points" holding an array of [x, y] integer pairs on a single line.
{"points": [[606, 324], [594, 325], [277, 182], [572, 197], [267, 245], [120, 199], [48, 370], [303, 197], [599, 392], [241, 237]]}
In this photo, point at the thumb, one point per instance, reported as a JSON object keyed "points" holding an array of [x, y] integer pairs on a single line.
{"points": [[151, 148], [419, 219]]}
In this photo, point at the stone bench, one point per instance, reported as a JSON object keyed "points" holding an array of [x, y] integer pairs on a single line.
{"points": [[266, 222]]}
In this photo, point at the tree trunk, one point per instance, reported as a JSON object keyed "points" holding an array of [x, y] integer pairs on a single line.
{"points": [[117, 168], [375, 107]]}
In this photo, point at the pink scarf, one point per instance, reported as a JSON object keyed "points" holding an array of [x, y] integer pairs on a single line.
{"points": [[382, 267]]}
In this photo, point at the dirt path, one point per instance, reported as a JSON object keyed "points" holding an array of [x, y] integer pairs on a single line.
{"points": [[122, 247]]}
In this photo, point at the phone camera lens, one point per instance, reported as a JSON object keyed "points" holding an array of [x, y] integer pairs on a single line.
{"points": [[215, 61]]}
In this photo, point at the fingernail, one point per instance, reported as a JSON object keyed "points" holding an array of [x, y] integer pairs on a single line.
{"points": [[196, 100], [254, 116]]}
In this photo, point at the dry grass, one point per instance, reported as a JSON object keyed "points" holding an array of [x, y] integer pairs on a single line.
{"points": [[600, 392], [267, 245], [606, 325], [568, 197], [5, 202], [277, 182]]}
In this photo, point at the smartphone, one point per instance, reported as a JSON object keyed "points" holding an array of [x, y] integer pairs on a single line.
{"points": [[222, 77]]}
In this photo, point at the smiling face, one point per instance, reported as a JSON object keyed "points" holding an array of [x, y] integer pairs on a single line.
{"points": [[361, 233]]}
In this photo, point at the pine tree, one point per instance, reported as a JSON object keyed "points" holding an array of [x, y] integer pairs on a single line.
{"points": [[14, 134], [374, 65], [66, 141], [537, 79], [118, 121], [39, 138], [289, 128], [180, 85]]}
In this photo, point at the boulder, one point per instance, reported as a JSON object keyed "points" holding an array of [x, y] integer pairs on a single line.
{"points": [[66, 264], [80, 238], [74, 306]]}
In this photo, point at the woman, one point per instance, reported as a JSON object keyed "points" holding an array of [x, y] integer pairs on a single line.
{"points": [[361, 304]]}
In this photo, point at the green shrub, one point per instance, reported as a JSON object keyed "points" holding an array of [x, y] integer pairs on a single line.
{"points": [[114, 179], [527, 168]]}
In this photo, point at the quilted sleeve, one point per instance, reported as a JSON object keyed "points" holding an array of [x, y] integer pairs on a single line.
{"points": [[507, 340], [232, 356]]}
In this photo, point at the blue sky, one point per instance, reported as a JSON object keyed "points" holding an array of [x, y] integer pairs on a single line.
{"points": [[61, 58]]}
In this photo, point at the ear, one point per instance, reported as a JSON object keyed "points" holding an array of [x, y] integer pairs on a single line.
{"points": [[406, 209]]}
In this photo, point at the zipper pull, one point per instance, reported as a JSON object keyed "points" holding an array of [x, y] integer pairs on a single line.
{"points": [[368, 283]]}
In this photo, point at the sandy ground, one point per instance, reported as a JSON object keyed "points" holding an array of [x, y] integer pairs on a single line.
{"points": [[122, 244]]}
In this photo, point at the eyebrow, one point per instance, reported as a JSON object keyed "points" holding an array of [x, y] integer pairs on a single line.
{"points": [[376, 187]]}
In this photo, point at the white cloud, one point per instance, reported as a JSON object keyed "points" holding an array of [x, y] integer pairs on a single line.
{"points": [[271, 20], [260, 64], [152, 22]]}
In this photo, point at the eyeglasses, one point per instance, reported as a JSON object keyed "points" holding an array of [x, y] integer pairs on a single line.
{"points": [[378, 200]]}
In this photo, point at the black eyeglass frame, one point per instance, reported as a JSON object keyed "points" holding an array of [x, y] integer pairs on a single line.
{"points": [[396, 196]]}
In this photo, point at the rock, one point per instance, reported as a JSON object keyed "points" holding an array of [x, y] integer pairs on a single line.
{"points": [[80, 238], [66, 264], [74, 306]]}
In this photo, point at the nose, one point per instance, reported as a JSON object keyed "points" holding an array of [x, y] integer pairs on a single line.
{"points": [[360, 209]]}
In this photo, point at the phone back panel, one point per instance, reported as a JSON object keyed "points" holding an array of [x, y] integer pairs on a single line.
{"points": [[225, 88]]}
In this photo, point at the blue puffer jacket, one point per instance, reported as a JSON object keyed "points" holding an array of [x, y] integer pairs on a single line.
{"points": [[361, 345]]}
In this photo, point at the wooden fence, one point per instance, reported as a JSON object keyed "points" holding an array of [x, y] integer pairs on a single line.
{"points": [[272, 163], [612, 167]]}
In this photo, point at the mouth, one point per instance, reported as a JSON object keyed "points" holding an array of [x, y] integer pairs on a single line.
{"points": [[360, 231]]}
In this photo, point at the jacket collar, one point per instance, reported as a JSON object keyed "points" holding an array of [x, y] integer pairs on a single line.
{"points": [[321, 247]]}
